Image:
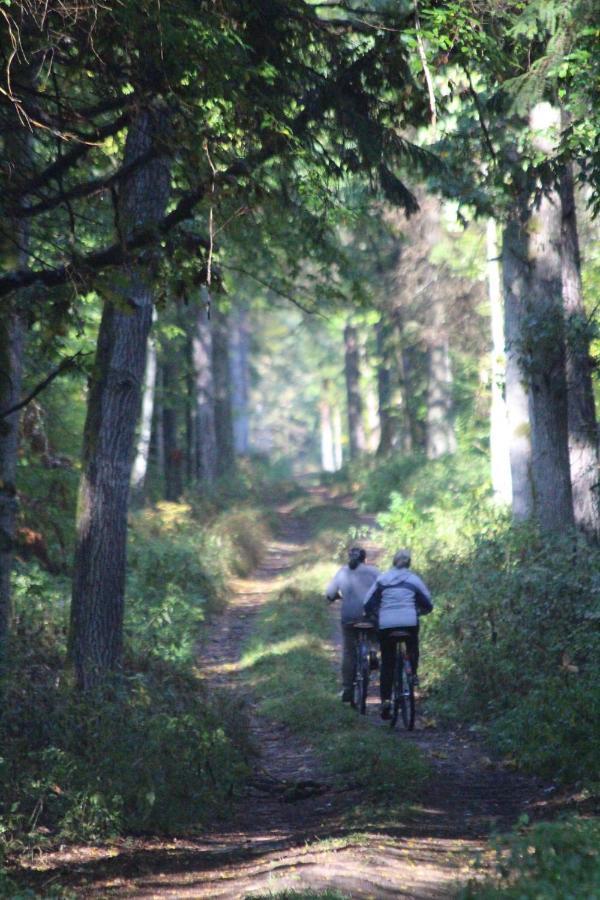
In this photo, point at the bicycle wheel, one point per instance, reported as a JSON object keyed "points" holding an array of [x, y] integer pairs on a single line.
{"points": [[407, 696], [363, 680], [396, 690]]}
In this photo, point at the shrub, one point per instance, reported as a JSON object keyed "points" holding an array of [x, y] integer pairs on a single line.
{"points": [[551, 860]]}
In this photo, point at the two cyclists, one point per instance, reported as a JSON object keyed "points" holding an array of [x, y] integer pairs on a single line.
{"points": [[391, 600]]}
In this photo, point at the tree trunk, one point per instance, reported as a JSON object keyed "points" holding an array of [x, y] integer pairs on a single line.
{"points": [[545, 342], [409, 435], [240, 379], [140, 463], [14, 250], [327, 441], [206, 435], [356, 433], [191, 431], [338, 456], [96, 634], [515, 275], [173, 456], [583, 435], [441, 438], [223, 411], [384, 389], [499, 444]]}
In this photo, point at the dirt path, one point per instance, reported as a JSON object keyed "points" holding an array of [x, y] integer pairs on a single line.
{"points": [[288, 833]]}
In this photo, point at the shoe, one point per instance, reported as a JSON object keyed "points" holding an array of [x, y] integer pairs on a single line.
{"points": [[386, 709], [373, 661], [346, 696]]}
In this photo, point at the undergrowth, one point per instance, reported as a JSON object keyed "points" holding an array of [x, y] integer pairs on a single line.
{"points": [[551, 860], [289, 664], [152, 751]]}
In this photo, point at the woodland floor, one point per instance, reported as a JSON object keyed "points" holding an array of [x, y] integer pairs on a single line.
{"points": [[289, 832]]}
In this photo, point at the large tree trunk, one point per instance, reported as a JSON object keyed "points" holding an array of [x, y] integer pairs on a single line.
{"points": [[100, 556], [140, 463], [515, 275], [441, 437], [384, 389], [356, 434], [338, 456], [14, 253], [545, 343], [202, 358], [583, 435], [240, 379], [191, 407], [499, 444], [173, 456], [222, 379]]}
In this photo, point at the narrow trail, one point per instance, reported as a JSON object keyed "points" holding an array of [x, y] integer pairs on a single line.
{"points": [[289, 833]]}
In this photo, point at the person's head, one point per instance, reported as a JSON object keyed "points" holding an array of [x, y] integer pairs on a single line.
{"points": [[402, 559], [356, 556]]}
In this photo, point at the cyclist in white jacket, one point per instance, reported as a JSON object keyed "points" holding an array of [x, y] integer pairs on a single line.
{"points": [[396, 600], [352, 583]]}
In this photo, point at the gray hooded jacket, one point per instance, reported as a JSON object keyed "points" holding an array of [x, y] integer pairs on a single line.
{"points": [[398, 593]]}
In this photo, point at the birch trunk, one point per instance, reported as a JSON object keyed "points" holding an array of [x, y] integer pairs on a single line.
{"points": [[96, 633], [583, 434], [356, 433], [515, 275], [546, 345], [240, 379], [222, 379], [206, 435], [140, 463], [499, 444], [327, 439]]}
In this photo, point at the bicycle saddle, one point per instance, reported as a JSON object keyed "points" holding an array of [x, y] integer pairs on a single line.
{"points": [[398, 633], [363, 625]]}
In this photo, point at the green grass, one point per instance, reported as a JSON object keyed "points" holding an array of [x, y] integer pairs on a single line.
{"points": [[288, 661]]}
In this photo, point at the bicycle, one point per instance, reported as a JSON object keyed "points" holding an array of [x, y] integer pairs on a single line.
{"points": [[360, 685], [403, 685]]}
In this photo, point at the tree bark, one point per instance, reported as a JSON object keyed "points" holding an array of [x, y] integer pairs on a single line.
{"points": [[173, 456], [441, 437], [499, 444], [206, 436], [338, 455], [583, 434], [222, 379], [384, 389], [17, 148], [240, 379], [356, 434], [96, 633], [140, 463], [545, 343], [515, 275]]}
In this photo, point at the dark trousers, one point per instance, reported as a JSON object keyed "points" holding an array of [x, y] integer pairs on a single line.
{"points": [[388, 655]]}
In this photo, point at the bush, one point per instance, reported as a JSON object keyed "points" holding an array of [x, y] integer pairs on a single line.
{"points": [[552, 860]]}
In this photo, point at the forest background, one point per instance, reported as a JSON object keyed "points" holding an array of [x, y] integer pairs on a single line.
{"points": [[246, 242]]}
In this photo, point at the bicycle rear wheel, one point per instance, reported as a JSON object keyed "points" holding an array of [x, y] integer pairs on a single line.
{"points": [[407, 696], [396, 691], [363, 675]]}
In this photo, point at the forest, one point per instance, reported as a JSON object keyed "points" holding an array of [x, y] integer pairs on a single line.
{"points": [[281, 277]]}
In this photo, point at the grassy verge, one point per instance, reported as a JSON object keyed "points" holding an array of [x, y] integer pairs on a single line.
{"points": [[288, 662]]}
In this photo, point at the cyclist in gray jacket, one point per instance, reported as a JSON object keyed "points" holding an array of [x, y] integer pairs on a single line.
{"points": [[397, 599], [352, 583]]}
